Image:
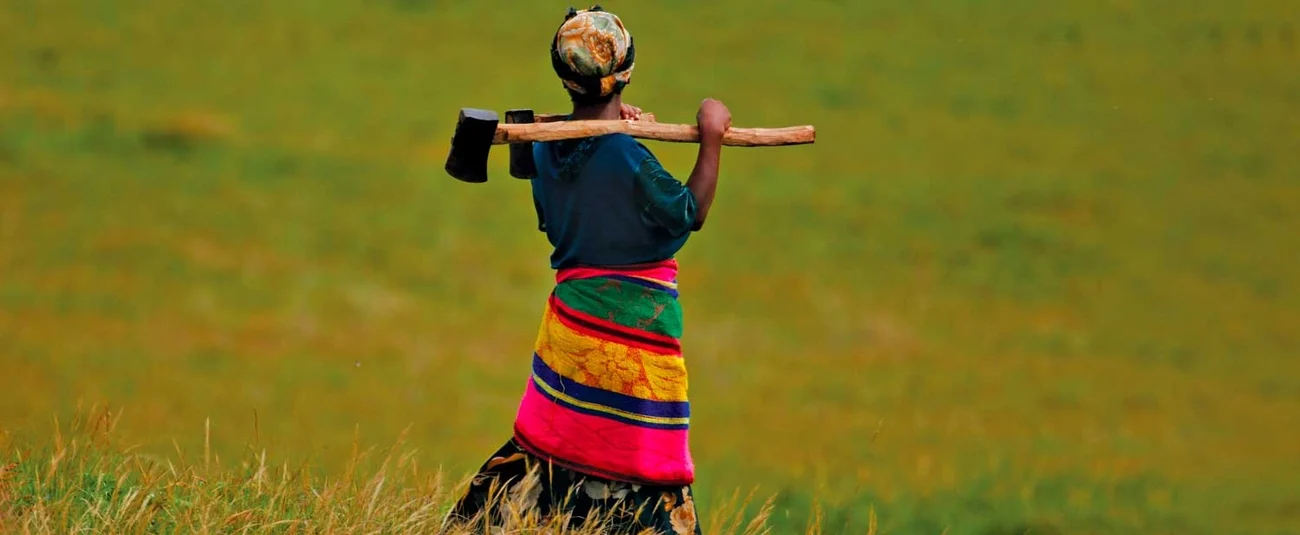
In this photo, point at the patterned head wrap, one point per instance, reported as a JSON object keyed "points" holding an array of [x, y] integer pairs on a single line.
{"points": [[592, 52]]}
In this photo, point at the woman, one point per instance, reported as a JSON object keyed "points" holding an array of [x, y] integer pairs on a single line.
{"points": [[601, 431]]}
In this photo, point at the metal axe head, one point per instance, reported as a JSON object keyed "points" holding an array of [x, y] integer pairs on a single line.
{"points": [[521, 153], [470, 145], [472, 142]]}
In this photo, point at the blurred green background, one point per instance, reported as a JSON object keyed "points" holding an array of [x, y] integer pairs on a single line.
{"points": [[1038, 271]]}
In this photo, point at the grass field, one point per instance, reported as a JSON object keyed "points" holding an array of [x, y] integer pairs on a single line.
{"points": [[1038, 271]]}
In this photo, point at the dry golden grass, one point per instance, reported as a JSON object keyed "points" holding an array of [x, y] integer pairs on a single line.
{"points": [[87, 481]]}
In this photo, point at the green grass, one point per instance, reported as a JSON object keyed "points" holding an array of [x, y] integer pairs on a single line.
{"points": [[1038, 270]]}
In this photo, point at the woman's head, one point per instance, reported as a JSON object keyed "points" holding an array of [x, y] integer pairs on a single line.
{"points": [[593, 55]]}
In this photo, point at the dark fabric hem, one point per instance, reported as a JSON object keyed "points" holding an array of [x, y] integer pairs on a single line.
{"points": [[570, 497]]}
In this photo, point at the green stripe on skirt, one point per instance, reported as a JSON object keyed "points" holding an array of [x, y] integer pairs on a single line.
{"points": [[624, 303]]}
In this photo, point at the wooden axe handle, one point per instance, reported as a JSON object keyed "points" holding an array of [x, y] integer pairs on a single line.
{"points": [[554, 130]]}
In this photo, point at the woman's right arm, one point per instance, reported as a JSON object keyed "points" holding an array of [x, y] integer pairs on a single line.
{"points": [[714, 120]]}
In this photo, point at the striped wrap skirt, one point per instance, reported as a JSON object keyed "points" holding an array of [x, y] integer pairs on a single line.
{"points": [[604, 417]]}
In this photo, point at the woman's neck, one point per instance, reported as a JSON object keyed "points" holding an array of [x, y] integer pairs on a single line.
{"points": [[611, 110]]}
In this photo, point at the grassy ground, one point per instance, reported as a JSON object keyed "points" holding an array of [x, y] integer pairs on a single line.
{"points": [[1038, 270], [84, 482]]}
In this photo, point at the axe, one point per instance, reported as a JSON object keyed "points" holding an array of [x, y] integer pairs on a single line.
{"points": [[477, 130]]}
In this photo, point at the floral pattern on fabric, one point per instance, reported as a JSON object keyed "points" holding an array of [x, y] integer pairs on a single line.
{"points": [[608, 393], [514, 485], [613, 367], [595, 43]]}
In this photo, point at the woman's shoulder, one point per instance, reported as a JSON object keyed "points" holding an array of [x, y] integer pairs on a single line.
{"points": [[610, 153], [623, 142], [627, 149], [614, 143]]}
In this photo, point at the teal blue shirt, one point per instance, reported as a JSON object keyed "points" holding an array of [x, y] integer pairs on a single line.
{"points": [[607, 201]]}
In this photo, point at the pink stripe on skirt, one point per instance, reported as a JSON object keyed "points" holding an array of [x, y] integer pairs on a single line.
{"points": [[665, 271], [600, 446]]}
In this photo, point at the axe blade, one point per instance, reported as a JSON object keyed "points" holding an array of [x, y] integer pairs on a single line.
{"points": [[470, 144], [521, 154]]}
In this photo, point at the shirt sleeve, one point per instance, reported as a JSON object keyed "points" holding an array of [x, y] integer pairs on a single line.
{"points": [[664, 201]]}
